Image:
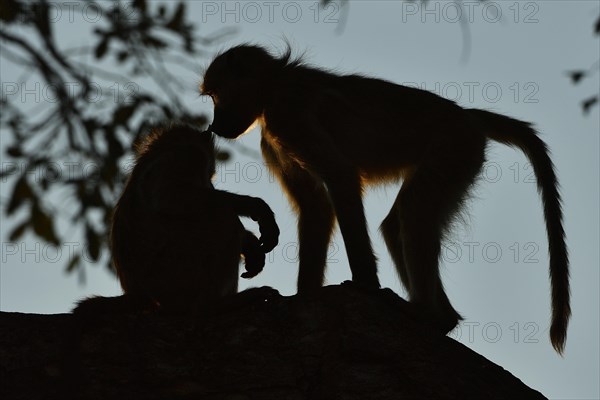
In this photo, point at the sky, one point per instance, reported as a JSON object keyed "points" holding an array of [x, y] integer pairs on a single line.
{"points": [[495, 267]]}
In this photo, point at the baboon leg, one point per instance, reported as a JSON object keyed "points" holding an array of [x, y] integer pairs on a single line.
{"points": [[315, 218], [392, 235], [429, 200], [344, 188]]}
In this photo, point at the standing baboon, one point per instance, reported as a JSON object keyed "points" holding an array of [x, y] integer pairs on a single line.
{"points": [[326, 135], [175, 240]]}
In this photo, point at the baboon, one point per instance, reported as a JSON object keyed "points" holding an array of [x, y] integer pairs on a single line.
{"points": [[176, 240], [325, 136]]}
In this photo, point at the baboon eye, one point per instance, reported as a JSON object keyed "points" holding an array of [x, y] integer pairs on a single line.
{"points": [[211, 95]]}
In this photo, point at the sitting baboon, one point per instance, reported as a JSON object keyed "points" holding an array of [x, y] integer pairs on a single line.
{"points": [[176, 240], [325, 136]]}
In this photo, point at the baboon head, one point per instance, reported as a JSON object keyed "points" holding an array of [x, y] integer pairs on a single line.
{"points": [[238, 82]]}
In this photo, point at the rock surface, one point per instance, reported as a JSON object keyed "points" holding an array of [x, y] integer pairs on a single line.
{"points": [[342, 344]]}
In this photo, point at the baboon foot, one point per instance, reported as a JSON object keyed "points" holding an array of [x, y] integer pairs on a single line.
{"points": [[443, 320], [362, 285]]}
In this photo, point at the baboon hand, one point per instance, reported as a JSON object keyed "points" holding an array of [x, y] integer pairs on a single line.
{"points": [[254, 260], [269, 231]]}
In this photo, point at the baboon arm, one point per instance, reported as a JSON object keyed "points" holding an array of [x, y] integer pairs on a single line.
{"points": [[318, 150], [257, 210], [170, 203], [309, 198]]}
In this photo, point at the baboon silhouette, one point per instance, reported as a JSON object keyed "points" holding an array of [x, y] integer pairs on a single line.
{"points": [[176, 241], [326, 136]]}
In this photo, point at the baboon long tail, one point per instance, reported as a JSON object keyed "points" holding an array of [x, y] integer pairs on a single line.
{"points": [[520, 134]]}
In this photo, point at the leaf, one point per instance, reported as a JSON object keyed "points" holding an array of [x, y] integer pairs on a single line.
{"points": [[154, 42], [122, 56], [189, 44], [10, 10], [41, 12], [73, 263], [115, 148], [14, 151], [8, 170], [140, 5], [588, 103], [577, 76], [107, 216], [51, 176], [18, 231], [199, 120], [93, 198], [177, 21], [167, 112], [111, 267], [108, 173], [222, 156], [21, 192], [144, 98], [101, 48], [43, 225], [122, 114], [93, 242]]}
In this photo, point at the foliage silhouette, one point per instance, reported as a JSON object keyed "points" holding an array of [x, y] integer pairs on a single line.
{"points": [[579, 75], [59, 137]]}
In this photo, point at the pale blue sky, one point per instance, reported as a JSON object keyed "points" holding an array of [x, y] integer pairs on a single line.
{"points": [[496, 269]]}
